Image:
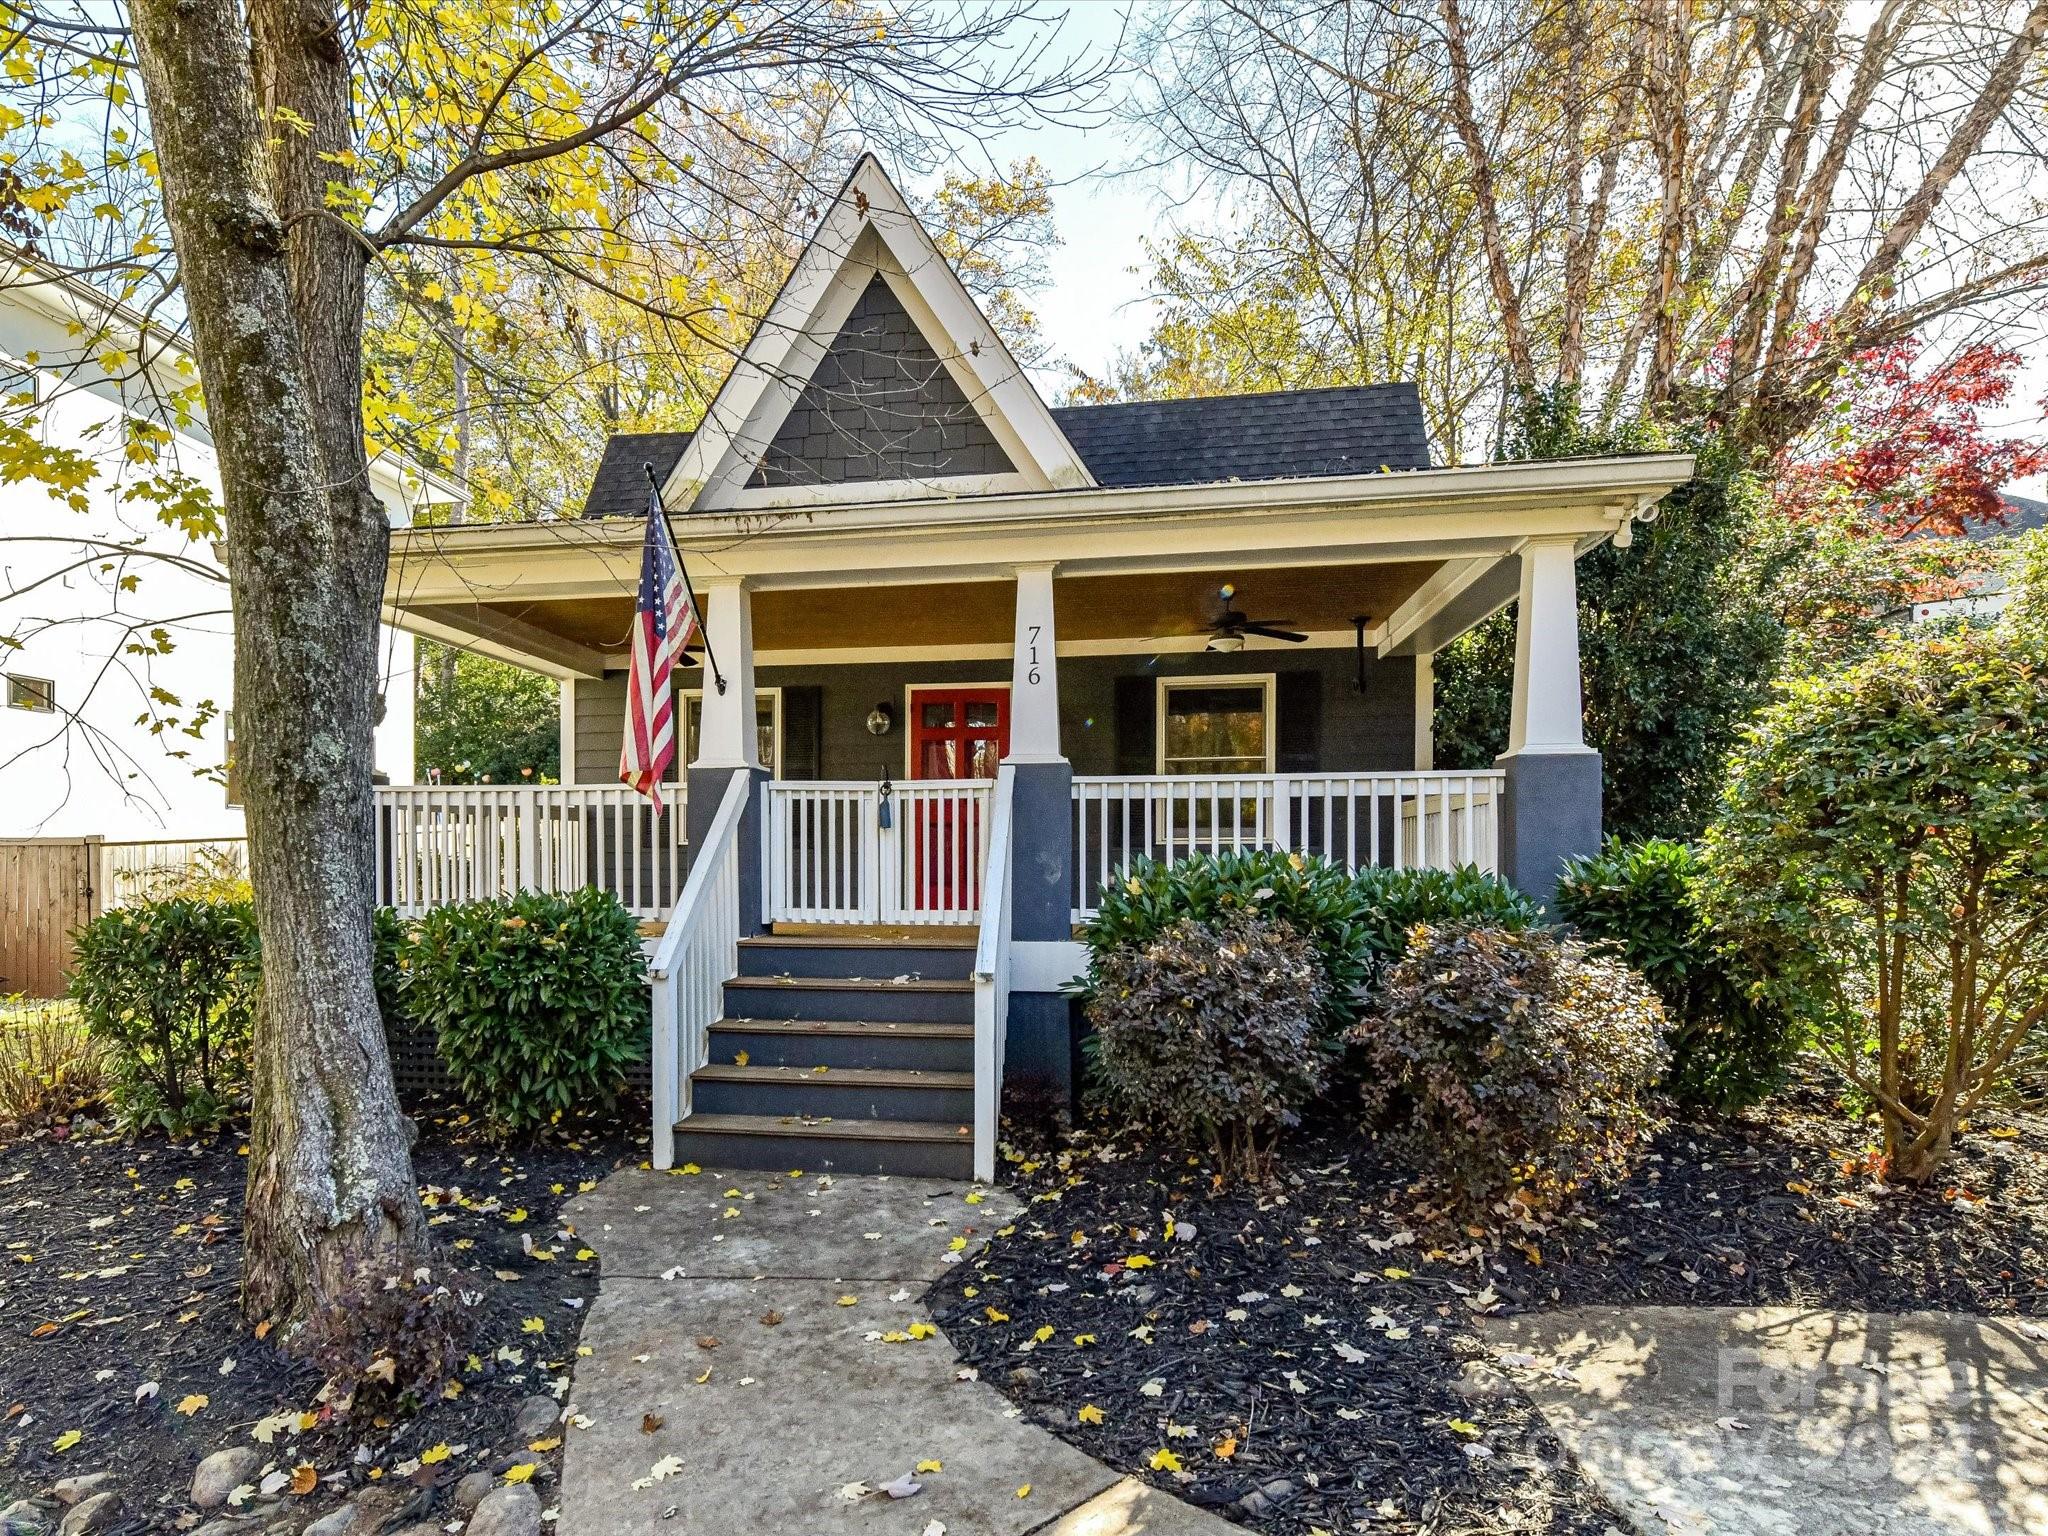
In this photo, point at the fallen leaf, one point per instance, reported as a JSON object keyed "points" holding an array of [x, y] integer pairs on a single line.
{"points": [[650, 1423], [1088, 1413], [192, 1402], [304, 1479], [68, 1439]]}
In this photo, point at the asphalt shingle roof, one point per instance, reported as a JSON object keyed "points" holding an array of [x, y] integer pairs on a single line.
{"points": [[1285, 434]]}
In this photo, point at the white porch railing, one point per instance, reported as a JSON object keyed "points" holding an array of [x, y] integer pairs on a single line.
{"points": [[827, 857], [992, 978], [1408, 820], [444, 843], [698, 954]]}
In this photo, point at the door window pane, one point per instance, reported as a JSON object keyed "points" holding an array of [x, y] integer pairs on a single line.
{"points": [[936, 715], [1213, 728], [984, 713]]}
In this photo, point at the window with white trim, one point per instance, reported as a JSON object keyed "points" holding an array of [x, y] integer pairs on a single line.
{"points": [[767, 720], [1216, 725], [33, 693]]}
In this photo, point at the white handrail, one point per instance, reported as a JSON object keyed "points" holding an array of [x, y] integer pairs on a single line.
{"points": [[1408, 820], [992, 978], [698, 953]]}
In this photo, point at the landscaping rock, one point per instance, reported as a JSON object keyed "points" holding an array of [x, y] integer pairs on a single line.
{"points": [[471, 1490], [338, 1522], [222, 1473], [71, 1490], [1267, 1497], [25, 1517], [509, 1511], [93, 1514], [537, 1415], [227, 1525]]}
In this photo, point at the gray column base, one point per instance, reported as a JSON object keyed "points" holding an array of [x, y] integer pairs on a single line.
{"points": [[1040, 1075], [1550, 812], [705, 790]]}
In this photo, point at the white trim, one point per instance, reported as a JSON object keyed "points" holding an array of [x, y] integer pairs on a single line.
{"points": [[1046, 965], [685, 696], [1262, 680], [772, 498], [910, 767], [868, 229], [566, 725], [1425, 711]]}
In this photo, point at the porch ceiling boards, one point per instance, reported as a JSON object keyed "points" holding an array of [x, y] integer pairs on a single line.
{"points": [[1128, 606]]}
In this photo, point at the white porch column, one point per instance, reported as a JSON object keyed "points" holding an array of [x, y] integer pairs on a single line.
{"points": [[1550, 803], [567, 729], [1034, 672], [727, 736], [1547, 713], [1425, 711]]}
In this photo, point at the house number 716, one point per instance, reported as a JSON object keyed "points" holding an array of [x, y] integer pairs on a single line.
{"points": [[1032, 674]]}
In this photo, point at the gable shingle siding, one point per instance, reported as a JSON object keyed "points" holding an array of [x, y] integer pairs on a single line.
{"points": [[1282, 435]]}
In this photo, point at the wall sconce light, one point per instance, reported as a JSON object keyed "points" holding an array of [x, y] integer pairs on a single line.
{"points": [[880, 718]]}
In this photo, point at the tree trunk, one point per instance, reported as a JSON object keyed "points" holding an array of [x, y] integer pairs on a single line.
{"points": [[276, 311]]}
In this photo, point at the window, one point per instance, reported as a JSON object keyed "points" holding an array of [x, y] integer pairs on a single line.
{"points": [[36, 693], [767, 717], [1216, 725]]}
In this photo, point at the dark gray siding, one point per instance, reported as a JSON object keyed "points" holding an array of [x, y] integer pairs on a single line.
{"points": [[880, 406], [1324, 721]]}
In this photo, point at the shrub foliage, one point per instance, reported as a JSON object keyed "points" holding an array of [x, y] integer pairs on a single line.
{"points": [[388, 1340], [1207, 1031], [1511, 1067], [538, 1002], [168, 987], [50, 1066], [1880, 860], [1729, 1048], [1317, 900], [1395, 900]]}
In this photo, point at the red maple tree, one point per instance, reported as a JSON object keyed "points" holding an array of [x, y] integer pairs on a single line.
{"points": [[1907, 451]]}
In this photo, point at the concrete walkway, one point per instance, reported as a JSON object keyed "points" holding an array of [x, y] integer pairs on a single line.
{"points": [[751, 1363], [1787, 1422]]}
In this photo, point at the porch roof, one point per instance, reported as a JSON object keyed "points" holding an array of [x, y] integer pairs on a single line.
{"points": [[551, 595]]}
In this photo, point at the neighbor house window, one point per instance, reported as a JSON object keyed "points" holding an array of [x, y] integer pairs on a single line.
{"points": [[1216, 725], [767, 719], [37, 693]]}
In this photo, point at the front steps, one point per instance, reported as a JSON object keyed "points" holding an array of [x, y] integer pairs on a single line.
{"points": [[840, 1054]]}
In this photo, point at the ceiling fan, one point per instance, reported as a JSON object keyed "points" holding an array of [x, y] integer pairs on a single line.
{"points": [[1228, 629]]}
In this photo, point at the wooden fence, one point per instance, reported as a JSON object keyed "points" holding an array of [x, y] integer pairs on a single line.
{"points": [[47, 888], [50, 885]]}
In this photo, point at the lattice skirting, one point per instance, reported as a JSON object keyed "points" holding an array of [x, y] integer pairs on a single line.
{"points": [[416, 1064]]}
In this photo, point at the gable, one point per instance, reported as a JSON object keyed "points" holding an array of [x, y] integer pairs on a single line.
{"points": [[880, 405]]}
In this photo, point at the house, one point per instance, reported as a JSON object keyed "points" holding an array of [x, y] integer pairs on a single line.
{"points": [[1985, 596], [976, 653], [84, 751]]}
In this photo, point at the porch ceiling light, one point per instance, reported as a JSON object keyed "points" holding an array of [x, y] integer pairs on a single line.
{"points": [[1225, 643]]}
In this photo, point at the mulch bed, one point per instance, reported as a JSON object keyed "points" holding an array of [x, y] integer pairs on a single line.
{"points": [[119, 1264], [1292, 1356]]}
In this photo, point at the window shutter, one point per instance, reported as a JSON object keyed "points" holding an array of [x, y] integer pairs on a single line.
{"points": [[1298, 701], [803, 732], [1136, 725]]}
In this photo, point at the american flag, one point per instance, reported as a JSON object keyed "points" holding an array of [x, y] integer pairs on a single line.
{"points": [[663, 625]]}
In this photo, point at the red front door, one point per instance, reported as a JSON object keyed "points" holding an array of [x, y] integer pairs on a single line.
{"points": [[955, 733], [958, 733]]}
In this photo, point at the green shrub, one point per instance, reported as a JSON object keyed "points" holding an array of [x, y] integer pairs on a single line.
{"points": [[168, 988], [1315, 898], [1880, 861], [538, 1002], [1207, 1031], [388, 941], [1640, 900], [1395, 900], [1511, 1067]]}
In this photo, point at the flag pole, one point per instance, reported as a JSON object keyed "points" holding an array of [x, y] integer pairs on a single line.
{"points": [[703, 629]]}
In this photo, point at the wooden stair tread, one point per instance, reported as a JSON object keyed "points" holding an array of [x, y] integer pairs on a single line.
{"points": [[943, 938], [882, 933], [909, 1029], [833, 1077], [821, 1129], [853, 983]]}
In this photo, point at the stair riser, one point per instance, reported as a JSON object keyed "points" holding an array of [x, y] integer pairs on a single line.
{"points": [[772, 959], [902, 1004], [892, 1051], [825, 1154], [799, 1096]]}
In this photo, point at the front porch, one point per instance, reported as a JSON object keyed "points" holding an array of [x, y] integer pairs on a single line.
{"points": [[971, 715]]}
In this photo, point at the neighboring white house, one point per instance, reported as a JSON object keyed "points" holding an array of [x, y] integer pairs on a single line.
{"points": [[1987, 595], [84, 748]]}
